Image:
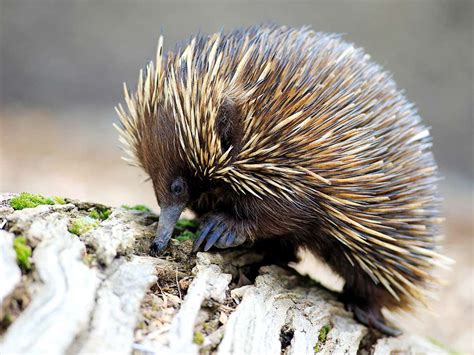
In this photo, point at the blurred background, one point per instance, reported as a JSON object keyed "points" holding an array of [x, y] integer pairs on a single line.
{"points": [[62, 64]]}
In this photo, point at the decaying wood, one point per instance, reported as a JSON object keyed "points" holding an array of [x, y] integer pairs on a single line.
{"points": [[101, 293], [10, 273], [117, 305], [67, 285]]}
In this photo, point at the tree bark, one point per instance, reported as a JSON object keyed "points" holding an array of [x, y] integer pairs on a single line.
{"points": [[100, 292]]}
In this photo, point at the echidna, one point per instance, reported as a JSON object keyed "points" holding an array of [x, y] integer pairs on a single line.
{"points": [[288, 135]]}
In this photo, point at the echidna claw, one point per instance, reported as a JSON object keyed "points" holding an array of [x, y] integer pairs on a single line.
{"points": [[229, 240], [380, 325], [203, 232], [217, 230], [223, 239], [372, 319], [215, 235]]}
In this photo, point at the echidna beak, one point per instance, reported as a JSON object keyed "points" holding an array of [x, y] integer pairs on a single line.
{"points": [[168, 217]]}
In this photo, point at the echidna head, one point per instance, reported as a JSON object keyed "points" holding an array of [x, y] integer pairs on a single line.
{"points": [[177, 179], [182, 129], [172, 179], [180, 173]]}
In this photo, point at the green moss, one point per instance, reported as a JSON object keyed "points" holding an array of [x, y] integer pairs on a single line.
{"points": [[184, 225], [187, 223], [323, 334], [207, 327], [100, 213], [94, 214], [26, 200], [6, 321], [88, 259], [59, 200], [23, 253], [80, 226], [142, 208], [198, 338], [185, 236]]}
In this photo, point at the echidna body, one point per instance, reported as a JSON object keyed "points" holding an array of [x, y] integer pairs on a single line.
{"points": [[297, 138]]}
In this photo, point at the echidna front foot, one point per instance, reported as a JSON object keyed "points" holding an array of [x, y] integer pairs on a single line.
{"points": [[218, 230], [371, 317]]}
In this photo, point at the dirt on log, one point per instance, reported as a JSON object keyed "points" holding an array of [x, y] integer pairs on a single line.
{"points": [[76, 279]]}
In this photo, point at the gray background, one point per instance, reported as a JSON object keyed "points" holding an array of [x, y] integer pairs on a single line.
{"points": [[57, 54]]}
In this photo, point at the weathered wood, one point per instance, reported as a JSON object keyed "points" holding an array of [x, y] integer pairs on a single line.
{"points": [[52, 320], [100, 293], [10, 274], [114, 236], [209, 283], [117, 305], [406, 344]]}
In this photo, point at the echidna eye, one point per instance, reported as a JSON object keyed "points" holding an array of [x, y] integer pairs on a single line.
{"points": [[177, 187]]}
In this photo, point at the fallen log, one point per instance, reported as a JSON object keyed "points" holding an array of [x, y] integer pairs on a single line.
{"points": [[92, 288]]}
